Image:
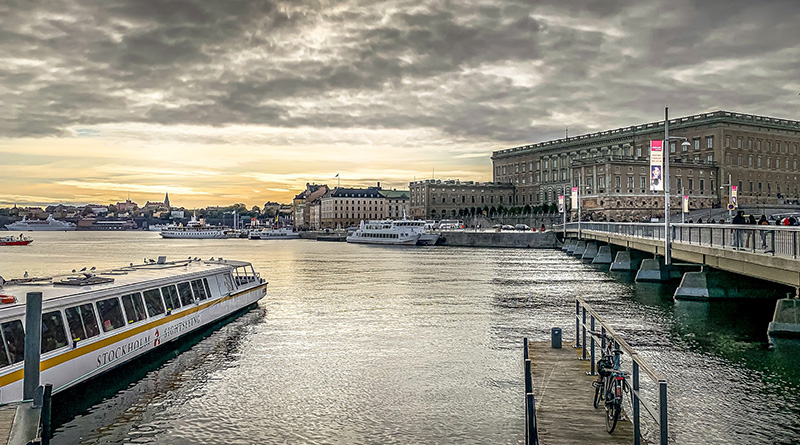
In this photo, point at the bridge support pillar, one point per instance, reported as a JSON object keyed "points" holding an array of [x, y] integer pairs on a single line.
{"points": [[710, 284], [603, 256], [786, 321], [652, 270], [626, 260], [569, 244], [591, 251], [580, 248]]}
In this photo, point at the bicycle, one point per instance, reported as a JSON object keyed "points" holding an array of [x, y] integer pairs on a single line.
{"points": [[610, 383]]}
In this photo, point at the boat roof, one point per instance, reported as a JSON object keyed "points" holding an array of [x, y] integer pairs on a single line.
{"points": [[74, 286]]}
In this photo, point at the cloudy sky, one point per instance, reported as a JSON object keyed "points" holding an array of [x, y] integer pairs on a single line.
{"points": [[229, 101]]}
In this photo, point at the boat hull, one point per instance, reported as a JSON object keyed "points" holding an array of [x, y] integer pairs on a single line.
{"points": [[382, 242], [193, 235], [16, 243]]}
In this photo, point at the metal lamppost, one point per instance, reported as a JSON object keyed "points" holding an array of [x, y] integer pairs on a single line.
{"points": [[667, 138], [730, 193]]}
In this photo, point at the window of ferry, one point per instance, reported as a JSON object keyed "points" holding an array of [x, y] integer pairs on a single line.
{"points": [[208, 289], [14, 341], [82, 322], [171, 298], [110, 314], [152, 299], [197, 287], [53, 334], [186, 293], [134, 308]]}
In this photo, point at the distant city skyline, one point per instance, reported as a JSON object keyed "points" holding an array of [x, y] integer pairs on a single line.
{"points": [[246, 100]]}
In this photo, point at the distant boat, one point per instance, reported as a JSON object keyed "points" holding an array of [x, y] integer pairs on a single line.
{"points": [[15, 241], [384, 232], [194, 229], [282, 233], [48, 224]]}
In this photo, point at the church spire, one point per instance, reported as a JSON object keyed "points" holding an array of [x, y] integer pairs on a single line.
{"points": [[166, 201]]}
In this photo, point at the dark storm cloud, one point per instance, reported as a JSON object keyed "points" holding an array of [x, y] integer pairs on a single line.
{"points": [[508, 71]]}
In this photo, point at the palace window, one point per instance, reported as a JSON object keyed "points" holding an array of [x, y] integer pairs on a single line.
{"points": [[697, 144], [739, 142], [710, 142]]}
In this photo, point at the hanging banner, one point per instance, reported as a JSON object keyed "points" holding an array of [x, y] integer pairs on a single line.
{"points": [[575, 198], [734, 193], [685, 203], [561, 203], [656, 165]]}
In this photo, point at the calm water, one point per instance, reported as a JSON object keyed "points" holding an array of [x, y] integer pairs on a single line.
{"points": [[361, 344]]}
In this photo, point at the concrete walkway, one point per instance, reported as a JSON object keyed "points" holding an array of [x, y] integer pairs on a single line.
{"points": [[564, 395]]}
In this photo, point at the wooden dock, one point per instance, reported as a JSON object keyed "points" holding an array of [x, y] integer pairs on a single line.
{"points": [[564, 394], [7, 413]]}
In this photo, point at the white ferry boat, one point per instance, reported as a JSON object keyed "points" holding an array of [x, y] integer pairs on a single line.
{"points": [[384, 232], [95, 322], [49, 224], [282, 233], [426, 235], [194, 229]]}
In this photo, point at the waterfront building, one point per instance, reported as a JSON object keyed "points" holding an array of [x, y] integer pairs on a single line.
{"points": [[758, 153], [396, 203], [301, 202], [437, 199], [158, 205], [345, 207], [127, 206]]}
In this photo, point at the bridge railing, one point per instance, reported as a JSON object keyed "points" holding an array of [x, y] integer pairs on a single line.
{"points": [[782, 241]]}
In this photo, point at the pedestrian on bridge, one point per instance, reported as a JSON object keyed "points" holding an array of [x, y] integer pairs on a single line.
{"points": [[737, 232]]}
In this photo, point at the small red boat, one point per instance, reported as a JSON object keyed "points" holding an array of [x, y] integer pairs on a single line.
{"points": [[15, 241]]}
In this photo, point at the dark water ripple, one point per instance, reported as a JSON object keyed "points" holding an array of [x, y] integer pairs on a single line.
{"points": [[358, 344]]}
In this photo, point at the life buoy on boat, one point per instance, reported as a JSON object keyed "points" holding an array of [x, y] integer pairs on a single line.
{"points": [[4, 299]]}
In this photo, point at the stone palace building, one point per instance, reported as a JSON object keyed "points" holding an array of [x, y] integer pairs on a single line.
{"points": [[756, 153]]}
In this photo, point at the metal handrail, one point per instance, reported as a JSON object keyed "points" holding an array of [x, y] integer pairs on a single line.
{"points": [[582, 309], [531, 425]]}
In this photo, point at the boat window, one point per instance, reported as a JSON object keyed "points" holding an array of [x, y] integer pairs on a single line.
{"points": [[186, 293], [53, 334], [110, 314], [197, 287], [208, 289], [228, 282], [152, 299], [134, 308], [14, 341], [170, 294], [82, 322]]}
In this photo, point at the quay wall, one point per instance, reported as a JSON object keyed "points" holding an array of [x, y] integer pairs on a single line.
{"points": [[533, 240]]}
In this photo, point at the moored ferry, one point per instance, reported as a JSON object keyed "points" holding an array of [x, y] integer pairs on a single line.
{"points": [[93, 322], [384, 232], [194, 229], [48, 224], [282, 233]]}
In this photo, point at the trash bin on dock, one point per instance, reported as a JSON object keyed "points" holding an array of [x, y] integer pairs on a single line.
{"points": [[555, 337]]}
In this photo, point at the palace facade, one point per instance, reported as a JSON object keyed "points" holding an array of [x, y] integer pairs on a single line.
{"points": [[756, 153]]}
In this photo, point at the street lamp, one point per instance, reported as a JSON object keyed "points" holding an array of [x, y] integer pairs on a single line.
{"points": [[685, 143], [730, 192]]}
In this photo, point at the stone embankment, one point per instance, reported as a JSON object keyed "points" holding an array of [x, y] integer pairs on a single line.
{"points": [[533, 240]]}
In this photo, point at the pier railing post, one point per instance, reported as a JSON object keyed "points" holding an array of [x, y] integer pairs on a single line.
{"points": [[662, 404], [637, 428], [592, 372], [47, 405], [583, 330], [33, 344], [577, 324]]}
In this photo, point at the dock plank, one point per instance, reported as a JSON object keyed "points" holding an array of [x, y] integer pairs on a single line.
{"points": [[564, 394]]}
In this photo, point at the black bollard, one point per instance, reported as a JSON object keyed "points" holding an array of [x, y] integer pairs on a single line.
{"points": [[47, 406]]}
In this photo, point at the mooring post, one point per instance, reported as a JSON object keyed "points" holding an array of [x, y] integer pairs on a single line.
{"points": [[583, 329], [662, 404], [33, 344], [637, 428], [592, 371], [47, 413]]}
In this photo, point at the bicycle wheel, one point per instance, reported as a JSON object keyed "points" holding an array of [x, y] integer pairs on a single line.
{"points": [[613, 410], [613, 406], [598, 392]]}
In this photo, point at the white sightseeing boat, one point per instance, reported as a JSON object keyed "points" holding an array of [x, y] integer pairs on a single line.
{"points": [[94, 322], [194, 229], [384, 232], [282, 233], [48, 224]]}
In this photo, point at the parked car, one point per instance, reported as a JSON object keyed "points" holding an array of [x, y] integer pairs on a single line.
{"points": [[508, 227], [522, 227]]}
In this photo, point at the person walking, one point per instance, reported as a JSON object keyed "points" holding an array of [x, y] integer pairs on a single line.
{"points": [[750, 235], [763, 222], [737, 232]]}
